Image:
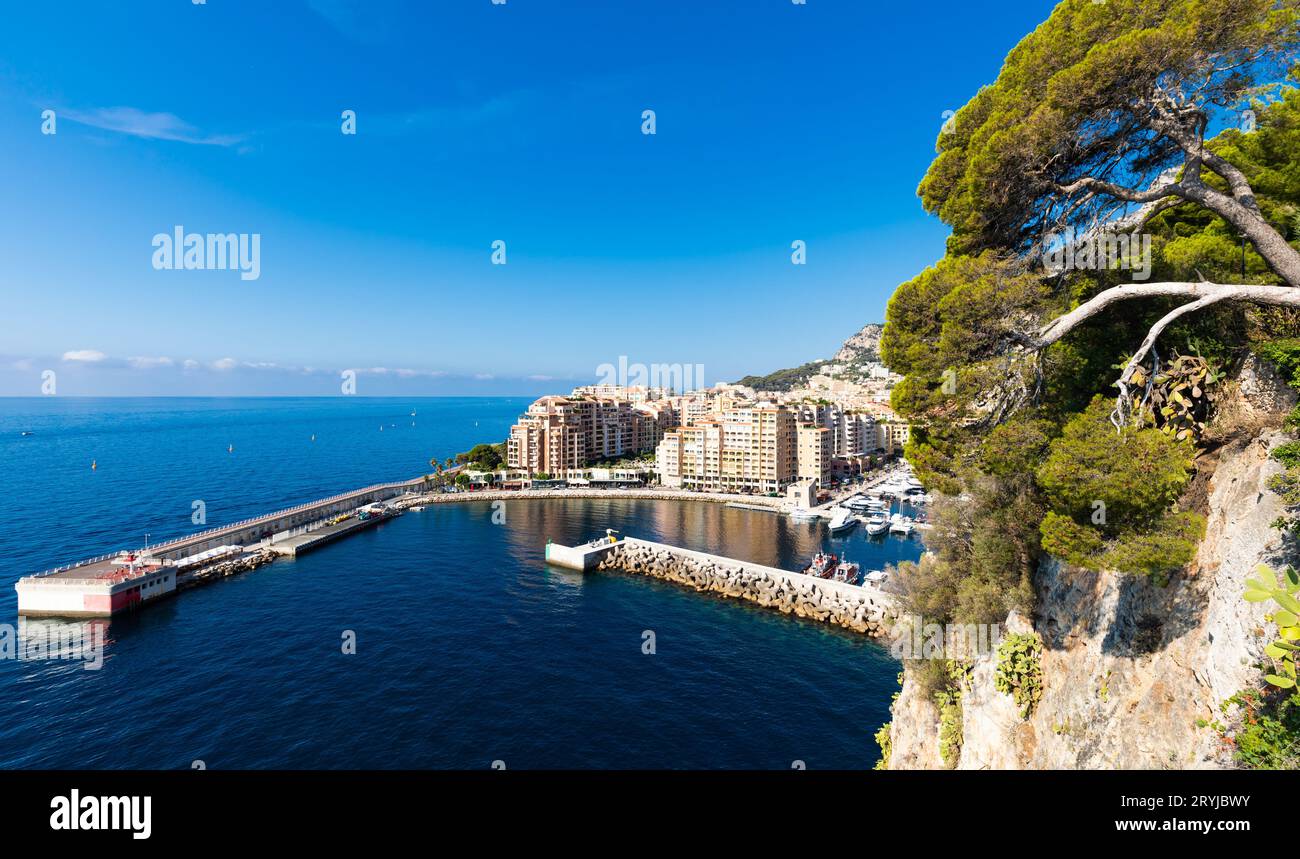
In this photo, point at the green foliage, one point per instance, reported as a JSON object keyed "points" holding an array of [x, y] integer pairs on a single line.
{"points": [[950, 727], [1284, 354], [1019, 670], [1269, 737], [484, 457], [1282, 652], [980, 554], [885, 742], [1111, 495], [1288, 454], [946, 328], [1073, 99], [1137, 473], [1016, 448], [784, 380]]}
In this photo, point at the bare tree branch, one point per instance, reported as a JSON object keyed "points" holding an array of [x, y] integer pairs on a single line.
{"points": [[1285, 296]]}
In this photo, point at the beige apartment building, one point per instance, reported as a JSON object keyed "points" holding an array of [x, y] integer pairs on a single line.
{"points": [[814, 454], [743, 449], [891, 437], [562, 433]]}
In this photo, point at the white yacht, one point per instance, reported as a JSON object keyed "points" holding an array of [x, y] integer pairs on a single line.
{"points": [[900, 524], [804, 514], [842, 519], [877, 523]]}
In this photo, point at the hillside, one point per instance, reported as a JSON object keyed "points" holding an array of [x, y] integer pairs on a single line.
{"points": [[851, 362]]}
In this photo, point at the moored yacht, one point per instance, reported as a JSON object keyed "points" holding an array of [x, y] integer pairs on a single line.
{"points": [[842, 520], [877, 523], [900, 524]]}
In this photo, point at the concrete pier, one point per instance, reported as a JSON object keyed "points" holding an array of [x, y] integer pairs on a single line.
{"points": [[121, 581], [861, 608]]}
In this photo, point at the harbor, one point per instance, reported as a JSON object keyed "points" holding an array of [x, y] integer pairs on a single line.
{"points": [[127, 580]]}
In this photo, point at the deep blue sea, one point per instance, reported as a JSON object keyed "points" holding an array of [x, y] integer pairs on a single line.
{"points": [[469, 649]]}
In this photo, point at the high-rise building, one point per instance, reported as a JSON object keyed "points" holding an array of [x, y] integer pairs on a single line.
{"points": [[744, 449], [561, 433], [814, 453]]}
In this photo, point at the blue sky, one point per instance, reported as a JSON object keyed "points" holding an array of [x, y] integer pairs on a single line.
{"points": [[475, 123]]}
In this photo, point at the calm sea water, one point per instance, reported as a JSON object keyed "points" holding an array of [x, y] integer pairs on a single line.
{"points": [[469, 650]]}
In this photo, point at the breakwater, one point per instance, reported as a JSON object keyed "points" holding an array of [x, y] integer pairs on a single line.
{"points": [[861, 609]]}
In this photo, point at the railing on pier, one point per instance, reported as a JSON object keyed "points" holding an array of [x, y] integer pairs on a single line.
{"points": [[234, 526]]}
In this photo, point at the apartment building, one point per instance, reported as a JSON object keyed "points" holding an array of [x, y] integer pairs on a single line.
{"points": [[852, 433], [892, 436], [557, 434], [743, 449], [814, 453]]}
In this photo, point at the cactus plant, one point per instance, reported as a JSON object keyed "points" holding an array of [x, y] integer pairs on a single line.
{"points": [[1177, 396], [1020, 671], [1286, 616]]}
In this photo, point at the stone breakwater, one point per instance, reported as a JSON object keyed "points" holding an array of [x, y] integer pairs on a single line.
{"points": [[848, 606], [243, 564]]}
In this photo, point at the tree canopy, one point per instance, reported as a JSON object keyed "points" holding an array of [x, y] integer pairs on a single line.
{"points": [[1173, 119]]}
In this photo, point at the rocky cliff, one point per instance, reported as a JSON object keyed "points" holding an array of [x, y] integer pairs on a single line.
{"points": [[1128, 666], [861, 348]]}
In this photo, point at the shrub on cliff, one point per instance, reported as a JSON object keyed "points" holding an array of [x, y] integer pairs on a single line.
{"points": [[1112, 495]]}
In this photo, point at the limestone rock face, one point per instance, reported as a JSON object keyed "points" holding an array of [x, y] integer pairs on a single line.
{"points": [[1129, 666]]}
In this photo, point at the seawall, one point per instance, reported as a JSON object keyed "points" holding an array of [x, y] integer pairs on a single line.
{"points": [[862, 609]]}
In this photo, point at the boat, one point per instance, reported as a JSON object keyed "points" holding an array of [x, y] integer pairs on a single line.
{"points": [[900, 524], [877, 523], [823, 565], [842, 520], [27, 433], [845, 572], [804, 514], [875, 579]]}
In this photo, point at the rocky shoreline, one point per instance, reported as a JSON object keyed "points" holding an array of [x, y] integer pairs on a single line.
{"points": [[848, 606]]}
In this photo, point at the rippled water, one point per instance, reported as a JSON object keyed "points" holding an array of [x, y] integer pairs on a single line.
{"points": [[469, 649]]}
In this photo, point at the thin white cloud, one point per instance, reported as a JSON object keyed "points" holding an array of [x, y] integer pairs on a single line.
{"points": [[89, 356], [400, 372], [152, 126], [224, 364], [148, 363]]}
